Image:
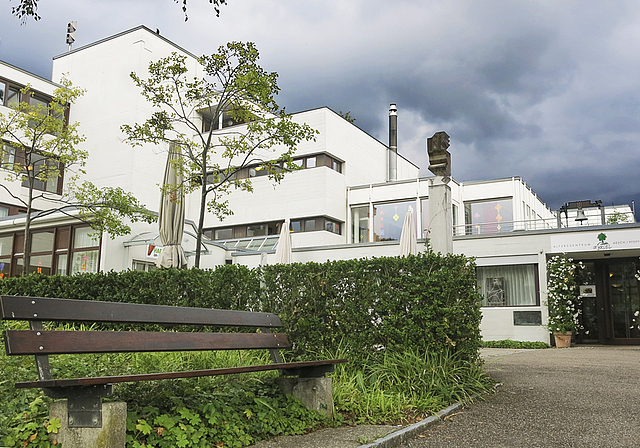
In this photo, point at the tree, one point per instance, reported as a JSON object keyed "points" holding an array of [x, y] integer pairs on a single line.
{"points": [[195, 113], [29, 8], [38, 147]]}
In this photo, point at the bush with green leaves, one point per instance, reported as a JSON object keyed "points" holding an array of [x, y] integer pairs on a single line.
{"points": [[563, 299], [373, 311]]}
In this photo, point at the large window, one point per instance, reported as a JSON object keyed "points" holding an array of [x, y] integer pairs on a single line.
{"points": [[49, 184], [86, 251], [273, 228], [53, 251], [514, 285], [360, 224], [388, 220], [494, 216]]}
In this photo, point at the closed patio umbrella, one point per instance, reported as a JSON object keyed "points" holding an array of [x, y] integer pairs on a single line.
{"points": [[283, 250], [171, 215], [408, 240]]}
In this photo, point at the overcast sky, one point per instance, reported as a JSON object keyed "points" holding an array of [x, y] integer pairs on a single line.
{"points": [[545, 90]]}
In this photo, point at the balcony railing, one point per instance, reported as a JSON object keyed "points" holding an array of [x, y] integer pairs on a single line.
{"points": [[507, 227]]}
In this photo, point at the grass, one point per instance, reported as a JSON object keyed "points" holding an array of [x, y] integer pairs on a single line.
{"points": [[406, 386], [395, 388]]}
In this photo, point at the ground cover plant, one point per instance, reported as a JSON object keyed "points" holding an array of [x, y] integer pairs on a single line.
{"points": [[410, 327], [508, 343]]}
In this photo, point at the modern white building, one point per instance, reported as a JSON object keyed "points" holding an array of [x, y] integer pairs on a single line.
{"points": [[344, 203]]}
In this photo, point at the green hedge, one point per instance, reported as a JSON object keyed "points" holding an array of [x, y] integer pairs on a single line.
{"points": [[357, 307]]}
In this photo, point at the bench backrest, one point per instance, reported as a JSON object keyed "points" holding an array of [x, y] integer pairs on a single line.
{"points": [[40, 342]]}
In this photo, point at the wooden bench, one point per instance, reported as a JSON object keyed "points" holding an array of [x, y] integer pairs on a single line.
{"points": [[84, 395]]}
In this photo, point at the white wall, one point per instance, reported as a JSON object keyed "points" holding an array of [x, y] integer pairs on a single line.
{"points": [[111, 100]]}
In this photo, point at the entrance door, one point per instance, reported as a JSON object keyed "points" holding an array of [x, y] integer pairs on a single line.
{"points": [[609, 315], [623, 302]]}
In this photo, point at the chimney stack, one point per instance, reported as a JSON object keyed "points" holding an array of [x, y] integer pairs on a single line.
{"points": [[393, 142]]}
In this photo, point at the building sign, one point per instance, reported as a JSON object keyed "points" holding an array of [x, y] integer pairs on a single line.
{"points": [[153, 251], [596, 241]]}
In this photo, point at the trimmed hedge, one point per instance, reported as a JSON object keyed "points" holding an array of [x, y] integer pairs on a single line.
{"points": [[355, 307]]}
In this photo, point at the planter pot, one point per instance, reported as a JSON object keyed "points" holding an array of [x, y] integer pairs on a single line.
{"points": [[563, 340]]}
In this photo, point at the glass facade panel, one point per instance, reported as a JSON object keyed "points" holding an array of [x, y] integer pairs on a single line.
{"points": [[83, 237], [5, 245], [256, 230], [85, 262], [42, 241], [360, 224], [388, 220], [311, 162], [61, 264], [41, 264], [35, 101], [514, 285], [223, 234], [13, 96], [8, 154], [5, 267], [309, 225], [489, 216]]}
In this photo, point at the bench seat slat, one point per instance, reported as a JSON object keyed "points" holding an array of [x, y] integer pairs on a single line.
{"points": [[71, 382], [29, 342], [50, 309]]}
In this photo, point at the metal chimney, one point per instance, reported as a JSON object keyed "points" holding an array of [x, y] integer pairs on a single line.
{"points": [[393, 142]]}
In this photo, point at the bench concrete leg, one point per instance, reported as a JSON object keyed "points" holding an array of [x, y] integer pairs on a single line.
{"points": [[315, 393], [111, 435]]}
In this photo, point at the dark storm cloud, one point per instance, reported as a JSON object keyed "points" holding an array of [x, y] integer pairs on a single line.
{"points": [[548, 91]]}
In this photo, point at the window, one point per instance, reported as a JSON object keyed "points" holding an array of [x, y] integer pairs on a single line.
{"points": [[388, 220], [144, 266], [318, 160], [488, 216], [332, 226], [223, 234], [311, 162], [360, 224], [271, 229], [8, 156], [85, 252], [45, 169], [514, 285], [2, 87], [6, 244], [50, 249], [14, 96], [228, 118]]}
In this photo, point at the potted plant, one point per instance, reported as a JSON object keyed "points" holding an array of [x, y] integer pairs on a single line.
{"points": [[563, 300]]}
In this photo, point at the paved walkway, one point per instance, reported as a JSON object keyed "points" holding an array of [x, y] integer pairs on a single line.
{"points": [[576, 397]]}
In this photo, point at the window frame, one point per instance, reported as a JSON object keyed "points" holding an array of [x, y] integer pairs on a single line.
{"points": [[536, 286]]}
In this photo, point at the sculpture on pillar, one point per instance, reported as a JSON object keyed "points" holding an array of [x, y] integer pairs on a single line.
{"points": [[439, 157]]}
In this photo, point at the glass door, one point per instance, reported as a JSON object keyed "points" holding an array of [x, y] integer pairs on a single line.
{"points": [[624, 298]]}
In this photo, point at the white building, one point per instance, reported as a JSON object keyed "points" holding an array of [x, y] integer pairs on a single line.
{"points": [[342, 205]]}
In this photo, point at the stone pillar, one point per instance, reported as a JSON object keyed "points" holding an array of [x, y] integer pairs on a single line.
{"points": [[440, 215], [111, 435], [315, 393]]}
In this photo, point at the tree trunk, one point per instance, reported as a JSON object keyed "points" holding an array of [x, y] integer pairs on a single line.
{"points": [[26, 247], [203, 203]]}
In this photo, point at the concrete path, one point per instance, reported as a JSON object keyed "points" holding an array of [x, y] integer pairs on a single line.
{"points": [[575, 397]]}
